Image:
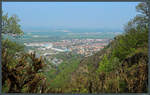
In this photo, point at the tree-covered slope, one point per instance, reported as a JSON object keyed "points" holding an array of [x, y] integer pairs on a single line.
{"points": [[122, 66]]}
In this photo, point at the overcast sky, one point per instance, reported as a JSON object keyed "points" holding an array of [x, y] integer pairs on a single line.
{"points": [[111, 15]]}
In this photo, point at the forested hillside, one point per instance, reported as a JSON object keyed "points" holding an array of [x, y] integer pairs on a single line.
{"points": [[122, 66]]}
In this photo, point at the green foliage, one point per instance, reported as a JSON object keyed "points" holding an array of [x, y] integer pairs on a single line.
{"points": [[129, 42], [108, 64], [136, 34], [21, 72], [63, 72], [12, 47], [10, 25], [104, 65]]}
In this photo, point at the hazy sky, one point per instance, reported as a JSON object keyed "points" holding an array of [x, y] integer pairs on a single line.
{"points": [[111, 15]]}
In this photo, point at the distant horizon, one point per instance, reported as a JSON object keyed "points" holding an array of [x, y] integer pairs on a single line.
{"points": [[48, 29], [79, 15]]}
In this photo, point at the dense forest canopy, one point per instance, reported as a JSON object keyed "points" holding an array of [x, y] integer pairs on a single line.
{"points": [[122, 66]]}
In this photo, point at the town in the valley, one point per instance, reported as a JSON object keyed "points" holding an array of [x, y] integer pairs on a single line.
{"points": [[83, 47]]}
